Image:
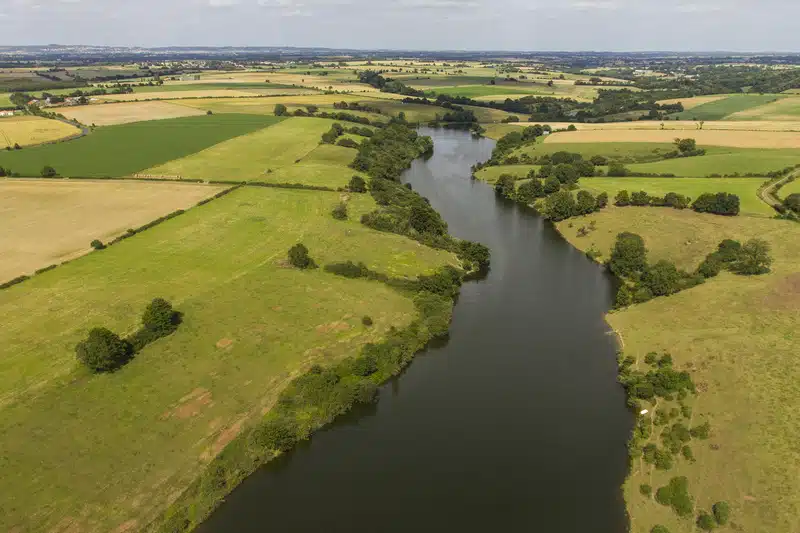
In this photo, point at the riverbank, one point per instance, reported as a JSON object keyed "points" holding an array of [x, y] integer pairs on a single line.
{"points": [[736, 336]]}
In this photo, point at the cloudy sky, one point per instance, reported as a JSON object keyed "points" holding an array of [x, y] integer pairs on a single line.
{"points": [[737, 25]]}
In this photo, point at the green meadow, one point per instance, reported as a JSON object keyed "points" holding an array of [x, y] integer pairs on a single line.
{"points": [[126, 149], [621, 151], [724, 161], [5, 101], [720, 109], [138, 436]]}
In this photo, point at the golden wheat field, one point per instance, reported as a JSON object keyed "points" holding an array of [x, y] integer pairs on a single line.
{"points": [[125, 112], [691, 103], [27, 130], [681, 125], [730, 138], [50, 221]]}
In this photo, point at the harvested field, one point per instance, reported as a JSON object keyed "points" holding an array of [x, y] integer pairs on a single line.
{"points": [[173, 95], [27, 130], [737, 139], [721, 109], [677, 125], [779, 110], [691, 103], [123, 113], [266, 105], [49, 221]]}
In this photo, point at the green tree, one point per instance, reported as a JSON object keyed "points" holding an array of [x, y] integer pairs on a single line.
{"points": [[339, 211], [705, 521], [424, 219], [617, 170], [662, 278], [602, 200], [276, 434], [299, 258], [566, 173], [160, 318], [280, 110], [97, 244], [659, 529], [629, 255], [530, 191], [560, 206], [754, 258], [48, 172], [722, 512], [357, 184], [103, 351], [622, 199], [586, 203], [551, 185], [686, 145], [505, 185], [792, 202]]}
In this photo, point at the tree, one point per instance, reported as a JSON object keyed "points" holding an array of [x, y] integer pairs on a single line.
{"points": [[599, 160], [424, 219], [722, 512], [586, 203], [754, 258], [560, 206], [617, 170], [622, 199], [312, 109], [662, 278], [793, 202], [566, 173], [624, 297], [602, 200], [280, 110], [339, 211], [572, 127], [357, 184], [103, 351], [629, 255], [97, 244], [705, 521], [530, 191], [48, 172], [719, 204], [299, 258], [676, 201], [686, 145], [160, 318], [276, 434], [659, 529], [505, 185], [552, 185]]}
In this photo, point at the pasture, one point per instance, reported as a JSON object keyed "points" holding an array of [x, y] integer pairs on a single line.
{"points": [[745, 188], [5, 101], [254, 156], [686, 126], [124, 113], [724, 161], [722, 108], [126, 149], [47, 222], [27, 130], [694, 101], [266, 105], [790, 188], [737, 336], [737, 139], [627, 152], [779, 110], [250, 324]]}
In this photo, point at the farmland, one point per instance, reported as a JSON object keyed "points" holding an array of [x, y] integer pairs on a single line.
{"points": [[150, 143], [791, 188], [124, 113], [738, 139], [737, 336], [250, 324], [779, 110], [722, 108], [47, 222], [29, 130]]}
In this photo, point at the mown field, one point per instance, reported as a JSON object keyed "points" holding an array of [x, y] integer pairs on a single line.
{"points": [[790, 188], [722, 108], [628, 152], [5, 101], [124, 113], [46, 221], [732, 138], [130, 148], [737, 336], [137, 437], [724, 161], [26, 130], [257, 156], [266, 105], [782, 109]]}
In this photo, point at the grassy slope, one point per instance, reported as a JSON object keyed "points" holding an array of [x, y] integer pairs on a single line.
{"points": [[28, 130], [5, 101], [129, 148], [738, 337], [783, 109], [140, 435], [745, 188], [720, 109], [622, 151], [722, 160], [251, 157], [790, 188]]}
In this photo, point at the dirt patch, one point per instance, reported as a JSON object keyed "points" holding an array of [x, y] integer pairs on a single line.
{"points": [[333, 326], [223, 439], [124, 527], [785, 294], [190, 405], [224, 343]]}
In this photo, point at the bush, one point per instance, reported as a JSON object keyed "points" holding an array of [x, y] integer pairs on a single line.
{"points": [[357, 184], [551, 185], [659, 529], [97, 244], [505, 185], [103, 351], [722, 512], [640, 199], [650, 358], [753, 259], [705, 521], [710, 267], [159, 317], [348, 269], [602, 200], [276, 434], [367, 321], [719, 204], [792, 202], [617, 170], [622, 199], [662, 278], [646, 490], [663, 460], [702, 431], [599, 160], [347, 143], [474, 254], [687, 453], [339, 211], [560, 206], [530, 191], [48, 172], [624, 297], [280, 110], [299, 258], [629, 255]]}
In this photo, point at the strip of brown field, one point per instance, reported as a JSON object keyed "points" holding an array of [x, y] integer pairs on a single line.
{"points": [[124, 113], [681, 125], [730, 138], [47, 222]]}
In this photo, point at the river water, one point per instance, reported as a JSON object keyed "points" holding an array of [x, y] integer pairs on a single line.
{"points": [[516, 423]]}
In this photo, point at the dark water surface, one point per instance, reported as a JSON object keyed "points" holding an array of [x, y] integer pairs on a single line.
{"points": [[515, 424]]}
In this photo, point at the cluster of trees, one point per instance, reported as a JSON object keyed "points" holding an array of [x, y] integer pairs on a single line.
{"points": [[751, 259], [356, 106], [403, 211], [330, 136], [685, 148], [562, 205], [724, 79], [104, 351], [390, 151], [642, 198], [721, 203], [387, 85], [792, 203]]}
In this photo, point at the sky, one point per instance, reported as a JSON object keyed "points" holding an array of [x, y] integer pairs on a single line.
{"points": [[529, 25]]}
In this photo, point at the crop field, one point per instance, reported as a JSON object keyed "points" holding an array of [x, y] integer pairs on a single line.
{"points": [[211, 85], [291, 78], [124, 113], [49, 221], [724, 161], [745, 188], [737, 336], [5, 101], [790, 188], [694, 101], [26, 130], [250, 325], [687, 126], [130, 148], [252, 156], [266, 105], [782, 109], [629, 152], [739, 139], [177, 95], [721, 109]]}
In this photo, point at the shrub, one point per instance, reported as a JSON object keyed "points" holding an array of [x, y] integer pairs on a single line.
{"points": [[702, 431], [505, 185], [719, 204], [705, 521], [686, 451], [445, 282], [530, 191], [710, 267], [617, 170], [551, 185], [280, 110], [366, 320], [599, 160], [299, 258], [602, 200], [48, 172], [662, 278], [624, 297], [791, 202], [348, 269], [97, 244], [722, 512], [659, 529], [646, 490], [753, 259], [339, 211], [159, 317], [474, 254], [650, 358], [357, 184], [586, 203], [640, 198], [103, 351], [622, 199], [209, 112], [276, 434], [629, 255], [347, 143]]}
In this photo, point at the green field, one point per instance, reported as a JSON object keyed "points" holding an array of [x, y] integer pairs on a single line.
{"points": [[472, 91], [745, 188], [492, 174], [782, 109], [790, 188], [207, 86], [254, 156], [620, 151], [130, 148], [99, 451], [720, 109], [5, 101], [724, 161], [737, 336]]}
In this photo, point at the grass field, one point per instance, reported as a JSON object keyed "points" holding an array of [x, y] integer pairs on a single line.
{"points": [[27, 130], [695, 101], [720, 109], [124, 113], [266, 105], [783, 109], [790, 188], [254, 156], [176, 95], [724, 161], [130, 148], [49, 221], [5, 101], [737, 139], [686, 126], [139, 436], [738, 338], [745, 188], [629, 152]]}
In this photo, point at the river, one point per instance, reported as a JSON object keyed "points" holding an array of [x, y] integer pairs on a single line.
{"points": [[516, 423]]}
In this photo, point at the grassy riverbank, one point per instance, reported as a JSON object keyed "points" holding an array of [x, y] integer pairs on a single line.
{"points": [[737, 338]]}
